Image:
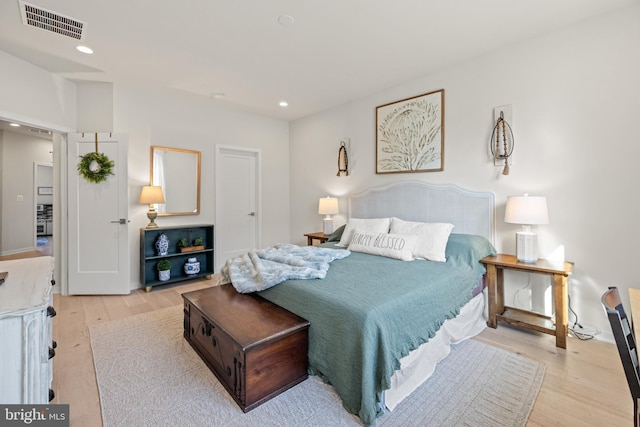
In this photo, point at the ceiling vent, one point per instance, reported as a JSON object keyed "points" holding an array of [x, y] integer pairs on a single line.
{"points": [[35, 16]]}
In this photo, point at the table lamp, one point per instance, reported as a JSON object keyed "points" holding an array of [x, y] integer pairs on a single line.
{"points": [[328, 206], [527, 211], [150, 195]]}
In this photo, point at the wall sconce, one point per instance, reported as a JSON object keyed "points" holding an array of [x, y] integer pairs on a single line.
{"points": [[502, 141], [343, 157], [151, 195], [328, 206], [527, 211]]}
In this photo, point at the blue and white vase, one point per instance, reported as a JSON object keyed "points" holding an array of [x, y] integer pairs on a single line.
{"points": [[164, 275], [192, 267], [162, 245]]}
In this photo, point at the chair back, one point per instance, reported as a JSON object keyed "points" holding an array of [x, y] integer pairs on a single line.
{"points": [[625, 340]]}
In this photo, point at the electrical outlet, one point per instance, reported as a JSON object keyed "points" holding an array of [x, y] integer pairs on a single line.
{"points": [[20, 198]]}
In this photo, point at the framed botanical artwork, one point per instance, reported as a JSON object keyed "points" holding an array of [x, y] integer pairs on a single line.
{"points": [[410, 134]]}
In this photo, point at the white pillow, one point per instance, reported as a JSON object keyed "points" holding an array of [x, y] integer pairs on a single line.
{"points": [[432, 237], [384, 244], [375, 225]]}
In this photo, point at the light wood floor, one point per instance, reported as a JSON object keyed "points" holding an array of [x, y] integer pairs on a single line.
{"points": [[583, 385], [40, 250]]}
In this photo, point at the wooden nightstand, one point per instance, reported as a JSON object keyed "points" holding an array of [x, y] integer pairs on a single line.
{"points": [[320, 236], [523, 318]]}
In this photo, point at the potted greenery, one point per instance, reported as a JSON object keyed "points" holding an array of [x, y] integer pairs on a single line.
{"points": [[183, 243], [164, 270], [185, 246]]}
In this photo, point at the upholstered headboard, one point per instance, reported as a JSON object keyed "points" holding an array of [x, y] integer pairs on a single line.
{"points": [[471, 212]]}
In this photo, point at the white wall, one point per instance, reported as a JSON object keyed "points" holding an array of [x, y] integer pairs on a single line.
{"points": [[32, 95], [179, 120], [19, 152], [172, 119], [575, 96], [95, 107]]}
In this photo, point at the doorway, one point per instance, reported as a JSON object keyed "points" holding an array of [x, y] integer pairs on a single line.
{"points": [[26, 156], [43, 203], [23, 225], [238, 202]]}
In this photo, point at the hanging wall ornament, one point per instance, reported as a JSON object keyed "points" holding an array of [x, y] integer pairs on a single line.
{"points": [[95, 167], [343, 160], [502, 142]]}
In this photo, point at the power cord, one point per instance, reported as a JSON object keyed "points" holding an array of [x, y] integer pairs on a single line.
{"points": [[584, 336], [581, 335], [516, 295]]}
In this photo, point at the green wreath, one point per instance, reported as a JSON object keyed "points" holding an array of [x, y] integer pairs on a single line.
{"points": [[101, 169]]}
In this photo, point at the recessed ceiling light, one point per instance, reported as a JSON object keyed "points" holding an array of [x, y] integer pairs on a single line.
{"points": [[285, 20], [219, 95], [85, 49], [284, 104], [15, 125]]}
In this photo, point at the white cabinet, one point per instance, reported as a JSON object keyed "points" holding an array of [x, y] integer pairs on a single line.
{"points": [[27, 345]]}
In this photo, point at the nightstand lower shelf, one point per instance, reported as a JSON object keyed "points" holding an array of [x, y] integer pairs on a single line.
{"points": [[559, 272], [528, 320]]}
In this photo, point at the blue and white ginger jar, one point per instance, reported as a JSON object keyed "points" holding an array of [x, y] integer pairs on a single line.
{"points": [[162, 245], [191, 267]]}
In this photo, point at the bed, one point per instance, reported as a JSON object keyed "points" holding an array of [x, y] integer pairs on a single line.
{"points": [[379, 325]]}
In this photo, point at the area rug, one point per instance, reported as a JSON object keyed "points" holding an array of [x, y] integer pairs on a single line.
{"points": [[148, 375]]}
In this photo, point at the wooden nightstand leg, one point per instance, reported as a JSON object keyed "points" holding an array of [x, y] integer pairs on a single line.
{"points": [[492, 321], [562, 308], [499, 290]]}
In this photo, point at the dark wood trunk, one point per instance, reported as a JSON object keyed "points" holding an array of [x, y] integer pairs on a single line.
{"points": [[255, 348]]}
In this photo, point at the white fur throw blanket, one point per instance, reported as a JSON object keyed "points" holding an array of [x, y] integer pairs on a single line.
{"points": [[264, 268]]}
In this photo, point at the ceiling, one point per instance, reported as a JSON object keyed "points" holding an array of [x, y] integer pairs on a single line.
{"points": [[325, 53], [26, 130]]}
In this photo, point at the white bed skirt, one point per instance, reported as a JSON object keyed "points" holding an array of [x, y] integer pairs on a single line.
{"points": [[418, 365]]}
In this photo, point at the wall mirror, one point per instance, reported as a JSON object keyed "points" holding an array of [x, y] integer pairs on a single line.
{"points": [[177, 171]]}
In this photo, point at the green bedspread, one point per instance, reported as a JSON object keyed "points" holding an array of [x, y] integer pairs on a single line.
{"points": [[369, 312]]}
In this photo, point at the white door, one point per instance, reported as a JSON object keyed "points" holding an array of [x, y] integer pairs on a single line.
{"points": [[98, 217], [238, 202]]}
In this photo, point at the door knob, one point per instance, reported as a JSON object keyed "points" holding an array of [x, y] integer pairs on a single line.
{"points": [[120, 221], [252, 214]]}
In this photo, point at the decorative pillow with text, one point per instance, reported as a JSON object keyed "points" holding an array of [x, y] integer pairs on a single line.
{"points": [[374, 225], [432, 237], [383, 244]]}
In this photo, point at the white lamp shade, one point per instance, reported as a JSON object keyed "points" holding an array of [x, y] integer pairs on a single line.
{"points": [[328, 206], [526, 210], [150, 195]]}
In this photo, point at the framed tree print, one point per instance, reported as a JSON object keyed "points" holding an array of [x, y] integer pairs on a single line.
{"points": [[410, 134]]}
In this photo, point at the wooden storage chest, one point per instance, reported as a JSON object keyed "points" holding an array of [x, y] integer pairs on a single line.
{"points": [[255, 348]]}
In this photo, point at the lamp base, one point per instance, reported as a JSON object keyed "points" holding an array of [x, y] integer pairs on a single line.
{"points": [[527, 247], [327, 226], [152, 215]]}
